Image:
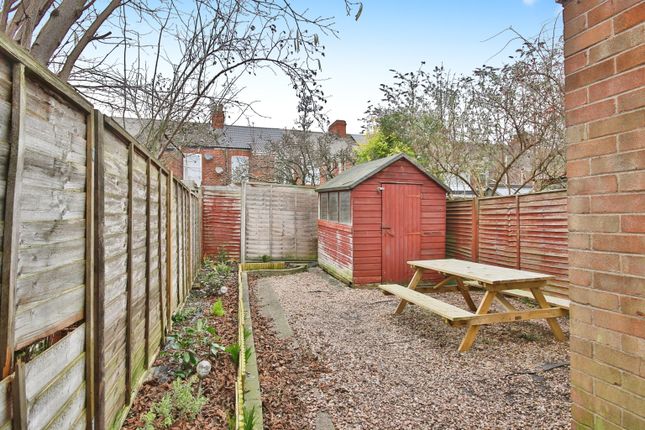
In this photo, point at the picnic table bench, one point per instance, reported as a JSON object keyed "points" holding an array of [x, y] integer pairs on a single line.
{"points": [[495, 281]]}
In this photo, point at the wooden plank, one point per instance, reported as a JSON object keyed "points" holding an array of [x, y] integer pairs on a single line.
{"points": [[148, 256], [553, 323], [169, 276], [162, 316], [513, 316], [19, 55], [89, 272], [99, 273], [11, 237], [472, 331], [551, 300], [6, 402], [243, 222], [19, 398], [445, 310], [129, 350], [485, 273], [416, 278]]}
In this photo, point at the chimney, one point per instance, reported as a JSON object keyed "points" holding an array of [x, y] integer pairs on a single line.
{"points": [[339, 128], [217, 117]]}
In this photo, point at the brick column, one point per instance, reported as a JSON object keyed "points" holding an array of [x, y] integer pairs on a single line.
{"points": [[604, 56]]}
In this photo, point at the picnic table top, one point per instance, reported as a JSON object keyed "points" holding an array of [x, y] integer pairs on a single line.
{"points": [[485, 273]]}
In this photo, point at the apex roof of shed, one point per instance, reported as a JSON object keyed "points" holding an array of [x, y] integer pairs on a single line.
{"points": [[361, 172]]}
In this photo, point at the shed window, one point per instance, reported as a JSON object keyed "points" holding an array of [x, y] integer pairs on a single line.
{"points": [[344, 208], [333, 207], [324, 198]]}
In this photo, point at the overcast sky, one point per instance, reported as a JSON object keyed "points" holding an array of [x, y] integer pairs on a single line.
{"points": [[397, 35]]}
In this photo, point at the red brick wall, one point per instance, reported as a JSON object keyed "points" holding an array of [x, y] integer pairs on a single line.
{"points": [[260, 165], [173, 161], [604, 56]]}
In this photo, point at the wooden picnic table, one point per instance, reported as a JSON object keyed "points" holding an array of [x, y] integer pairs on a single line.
{"points": [[494, 280]]}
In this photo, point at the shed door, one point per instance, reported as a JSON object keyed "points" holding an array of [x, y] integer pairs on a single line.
{"points": [[401, 230]]}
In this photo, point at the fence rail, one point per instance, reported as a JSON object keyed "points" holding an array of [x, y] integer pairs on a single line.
{"points": [[525, 232], [99, 247]]}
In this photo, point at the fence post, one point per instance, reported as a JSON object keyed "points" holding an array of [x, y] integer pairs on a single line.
{"points": [[169, 295], [474, 247], [19, 394], [270, 220], [243, 223], [189, 250], [12, 219], [162, 313], [130, 279], [517, 226], [99, 273], [146, 354], [89, 270]]}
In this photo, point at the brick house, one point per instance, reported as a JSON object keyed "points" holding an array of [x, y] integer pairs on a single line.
{"points": [[220, 154], [605, 109]]}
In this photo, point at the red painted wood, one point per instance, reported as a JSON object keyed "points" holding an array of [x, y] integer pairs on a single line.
{"points": [[543, 237], [401, 230], [221, 221], [366, 204]]}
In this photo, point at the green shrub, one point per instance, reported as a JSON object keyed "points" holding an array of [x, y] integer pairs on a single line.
{"points": [[186, 405], [180, 403], [218, 308]]}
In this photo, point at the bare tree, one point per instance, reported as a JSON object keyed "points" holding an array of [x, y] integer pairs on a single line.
{"points": [[304, 157], [500, 127], [167, 62]]}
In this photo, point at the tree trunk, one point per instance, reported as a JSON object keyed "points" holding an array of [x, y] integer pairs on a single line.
{"points": [[53, 32]]}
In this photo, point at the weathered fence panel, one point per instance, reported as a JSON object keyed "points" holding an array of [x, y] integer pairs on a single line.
{"points": [[222, 221], [255, 220], [280, 221], [98, 246], [526, 232]]}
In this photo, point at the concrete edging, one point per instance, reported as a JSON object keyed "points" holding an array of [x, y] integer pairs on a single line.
{"points": [[251, 394]]}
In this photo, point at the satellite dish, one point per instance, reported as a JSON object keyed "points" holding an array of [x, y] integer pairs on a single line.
{"points": [[219, 170]]}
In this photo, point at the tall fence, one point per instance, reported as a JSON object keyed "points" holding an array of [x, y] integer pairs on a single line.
{"points": [[260, 219], [525, 232], [99, 247]]}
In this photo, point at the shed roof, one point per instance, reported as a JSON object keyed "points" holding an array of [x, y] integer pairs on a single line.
{"points": [[361, 172]]}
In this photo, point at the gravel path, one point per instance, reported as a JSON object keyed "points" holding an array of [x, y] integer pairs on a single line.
{"points": [[404, 372]]}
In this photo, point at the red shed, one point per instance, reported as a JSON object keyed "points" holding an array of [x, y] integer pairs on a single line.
{"points": [[376, 216]]}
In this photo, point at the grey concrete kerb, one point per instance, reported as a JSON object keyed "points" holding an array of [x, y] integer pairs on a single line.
{"points": [[252, 393]]}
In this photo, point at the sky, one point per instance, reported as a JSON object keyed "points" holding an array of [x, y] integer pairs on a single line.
{"points": [[396, 35]]}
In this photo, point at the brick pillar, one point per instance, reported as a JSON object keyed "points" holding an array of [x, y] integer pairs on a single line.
{"points": [[605, 76]]}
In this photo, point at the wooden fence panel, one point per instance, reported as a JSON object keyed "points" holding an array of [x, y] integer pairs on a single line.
{"points": [[115, 153], [544, 237], [81, 204], [459, 229], [280, 221], [139, 278], [221, 221], [55, 384], [498, 236], [527, 232], [5, 403], [52, 217]]}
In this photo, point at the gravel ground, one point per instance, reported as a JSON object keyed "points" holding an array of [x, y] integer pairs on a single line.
{"points": [[404, 372]]}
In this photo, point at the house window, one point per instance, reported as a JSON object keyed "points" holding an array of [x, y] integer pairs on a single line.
{"points": [[193, 168], [344, 208], [324, 199], [239, 168]]}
